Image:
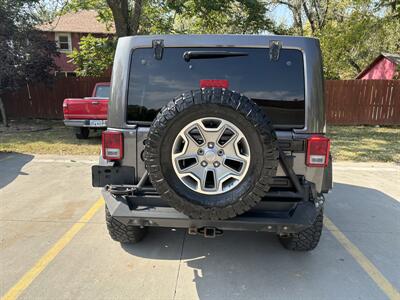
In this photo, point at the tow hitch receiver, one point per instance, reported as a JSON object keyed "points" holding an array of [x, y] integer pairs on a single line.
{"points": [[207, 232]]}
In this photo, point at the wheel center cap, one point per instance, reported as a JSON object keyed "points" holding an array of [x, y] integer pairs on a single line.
{"points": [[210, 156]]}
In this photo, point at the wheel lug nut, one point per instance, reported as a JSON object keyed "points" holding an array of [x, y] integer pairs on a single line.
{"points": [[216, 164], [210, 145], [200, 151], [220, 152], [204, 163]]}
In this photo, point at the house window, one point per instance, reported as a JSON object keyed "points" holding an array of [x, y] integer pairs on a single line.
{"points": [[64, 43]]}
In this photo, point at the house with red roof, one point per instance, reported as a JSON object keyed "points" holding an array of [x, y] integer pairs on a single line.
{"points": [[68, 29], [385, 66]]}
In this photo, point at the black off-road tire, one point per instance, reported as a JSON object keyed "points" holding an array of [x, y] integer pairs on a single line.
{"points": [[126, 234], [82, 133], [235, 108], [307, 239]]}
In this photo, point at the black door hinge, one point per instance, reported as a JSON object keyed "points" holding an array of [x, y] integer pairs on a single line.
{"points": [[274, 50], [158, 46]]}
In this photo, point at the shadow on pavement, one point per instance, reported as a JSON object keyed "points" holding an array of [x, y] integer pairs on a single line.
{"points": [[253, 265], [237, 265], [364, 209], [11, 165]]}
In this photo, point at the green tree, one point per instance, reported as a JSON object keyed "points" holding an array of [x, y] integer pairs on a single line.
{"points": [[349, 46], [26, 55], [95, 55], [352, 33], [222, 16], [162, 17]]}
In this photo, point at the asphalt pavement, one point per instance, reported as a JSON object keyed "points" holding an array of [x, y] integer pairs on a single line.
{"points": [[54, 243]]}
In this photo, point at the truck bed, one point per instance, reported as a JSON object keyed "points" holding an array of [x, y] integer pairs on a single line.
{"points": [[90, 108]]}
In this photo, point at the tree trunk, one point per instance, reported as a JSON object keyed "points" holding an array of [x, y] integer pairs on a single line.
{"points": [[126, 17], [3, 113], [119, 9], [135, 19], [354, 65], [310, 17], [298, 22]]}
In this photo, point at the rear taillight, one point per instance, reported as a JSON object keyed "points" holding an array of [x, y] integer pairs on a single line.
{"points": [[317, 151], [65, 104], [112, 145]]}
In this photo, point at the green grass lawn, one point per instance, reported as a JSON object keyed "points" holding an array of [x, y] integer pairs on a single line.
{"points": [[356, 143], [365, 143], [52, 137]]}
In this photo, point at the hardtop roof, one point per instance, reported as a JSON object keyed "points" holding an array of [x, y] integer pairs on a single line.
{"points": [[221, 40]]}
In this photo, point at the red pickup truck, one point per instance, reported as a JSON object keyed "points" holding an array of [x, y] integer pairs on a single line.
{"points": [[88, 112]]}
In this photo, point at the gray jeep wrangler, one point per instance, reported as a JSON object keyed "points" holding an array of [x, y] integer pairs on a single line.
{"points": [[213, 133]]}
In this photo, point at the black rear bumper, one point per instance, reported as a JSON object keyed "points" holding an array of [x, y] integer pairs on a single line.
{"points": [[155, 212], [290, 206]]}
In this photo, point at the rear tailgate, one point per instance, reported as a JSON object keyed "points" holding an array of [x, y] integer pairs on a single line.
{"points": [[85, 109]]}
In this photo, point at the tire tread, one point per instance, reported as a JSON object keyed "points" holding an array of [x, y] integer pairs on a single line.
{"points": [[307, 239], [124, 233]]}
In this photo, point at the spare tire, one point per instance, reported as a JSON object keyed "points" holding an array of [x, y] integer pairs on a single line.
{"points": [[211, 153]]}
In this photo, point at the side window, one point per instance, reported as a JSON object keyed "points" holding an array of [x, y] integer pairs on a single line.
{"points": [[64, 42]]}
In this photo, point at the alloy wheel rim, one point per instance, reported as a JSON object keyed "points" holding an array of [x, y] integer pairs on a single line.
{"points": [[211, 155]]}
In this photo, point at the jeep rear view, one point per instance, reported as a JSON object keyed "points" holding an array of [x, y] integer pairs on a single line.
{"points": [[214, 133]]}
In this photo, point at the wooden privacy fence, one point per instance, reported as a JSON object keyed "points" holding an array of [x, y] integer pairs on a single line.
{"points": [[362, 102], [348, 102], [45, 101]]}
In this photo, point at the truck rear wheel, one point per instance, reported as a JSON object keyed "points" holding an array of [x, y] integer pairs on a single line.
{"points": [[306, 239], [212, 154], [124, 233], [82, 133]]}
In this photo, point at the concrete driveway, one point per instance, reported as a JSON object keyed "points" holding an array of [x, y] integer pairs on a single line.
{"points": [[54, 244]]}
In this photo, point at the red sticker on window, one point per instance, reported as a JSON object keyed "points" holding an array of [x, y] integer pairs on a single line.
{"points": [[214, 83]]}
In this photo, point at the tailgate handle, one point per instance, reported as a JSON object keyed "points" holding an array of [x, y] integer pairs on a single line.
{"points": [[95, 102]]}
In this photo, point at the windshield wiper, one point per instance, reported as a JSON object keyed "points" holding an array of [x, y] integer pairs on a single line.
{"points": [[188, 55]]}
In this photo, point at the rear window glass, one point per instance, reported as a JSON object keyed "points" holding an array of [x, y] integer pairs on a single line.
{"points": [[103, 91], [277, 86]]}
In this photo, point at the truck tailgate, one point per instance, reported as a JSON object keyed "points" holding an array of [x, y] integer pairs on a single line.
{"points": [[87, 108]]}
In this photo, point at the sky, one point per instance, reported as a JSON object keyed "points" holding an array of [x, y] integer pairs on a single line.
{"points": [[281, 14]]}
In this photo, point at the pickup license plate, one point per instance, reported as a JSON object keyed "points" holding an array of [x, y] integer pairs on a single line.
{"points": [[97, 123]]}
